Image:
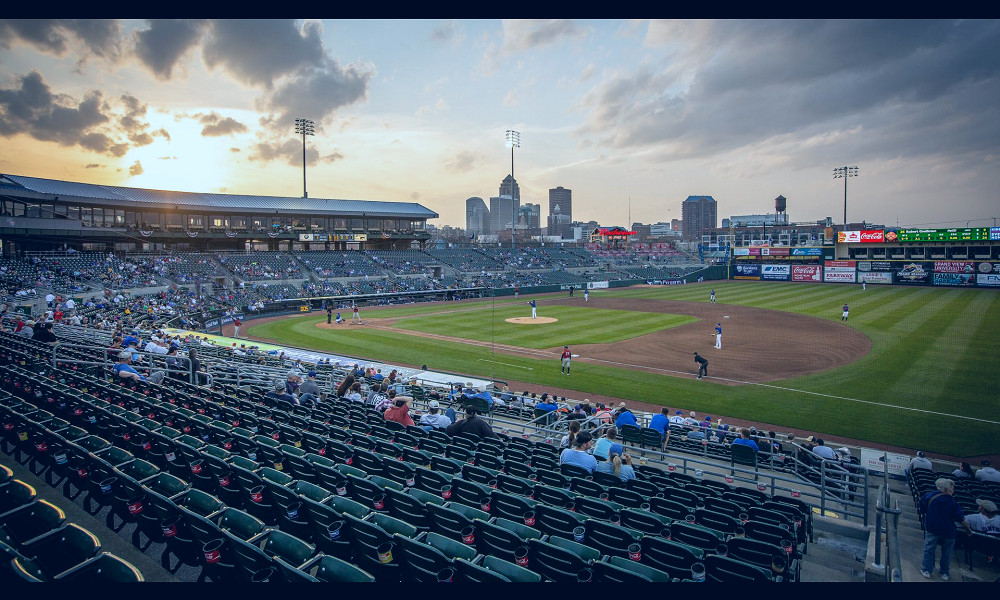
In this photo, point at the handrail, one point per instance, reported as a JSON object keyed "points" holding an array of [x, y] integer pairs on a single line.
{"points": [[890, 517]]}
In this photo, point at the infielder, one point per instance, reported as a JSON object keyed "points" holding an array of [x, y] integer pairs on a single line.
{"points": [[844, 316], [534, 312], [586, 295], [718, 336], [565, 360], [702, 365], [712, 297]]}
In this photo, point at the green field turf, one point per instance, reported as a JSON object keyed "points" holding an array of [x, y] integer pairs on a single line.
{"points": [[928, 383]]}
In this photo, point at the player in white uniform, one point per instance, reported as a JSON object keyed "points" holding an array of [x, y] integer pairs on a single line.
{"points": [[844, 316], [586, 295], [357, 315], [718, 336], [534, 310], [712, 297]]}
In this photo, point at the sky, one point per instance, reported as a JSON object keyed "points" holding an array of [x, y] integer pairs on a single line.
{"points": [[632, 115]]}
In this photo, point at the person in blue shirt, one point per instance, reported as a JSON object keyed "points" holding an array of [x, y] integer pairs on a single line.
{"points": [[661, 423], [124, 369], [744, 440], [625, 417], [577, 454], [534, 313], [546, 404], [484, 395], [618, 464]]}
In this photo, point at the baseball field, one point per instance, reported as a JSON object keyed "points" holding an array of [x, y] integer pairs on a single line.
{"points": [[914, 367]]}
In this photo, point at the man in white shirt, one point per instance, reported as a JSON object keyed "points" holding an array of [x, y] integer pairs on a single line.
{"points": [[986, 520], [434, 418], [919, 462], [692, 419], [678, 418], [987, 473]]}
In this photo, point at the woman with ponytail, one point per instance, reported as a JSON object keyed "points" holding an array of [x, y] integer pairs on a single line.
{"points": [[567, 440], [618, 464]]}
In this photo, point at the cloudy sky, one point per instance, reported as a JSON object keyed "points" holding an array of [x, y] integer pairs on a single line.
{"points": [[630, 115]]}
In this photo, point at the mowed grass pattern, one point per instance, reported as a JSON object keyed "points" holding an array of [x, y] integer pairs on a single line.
{"points": [[928, 382]]}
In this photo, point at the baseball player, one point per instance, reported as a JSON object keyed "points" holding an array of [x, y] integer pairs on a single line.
{"points": [[517, 292], [329, 313], [712, 297], [718, 336], [844, 316], [357, 315], [339, 319], [702, 365], [534, 312], [236, 328], [864, 283], [586, 295], [570, 291], [565, 360]]}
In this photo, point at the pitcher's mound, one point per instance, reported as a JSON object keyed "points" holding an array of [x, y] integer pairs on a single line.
{"points": [[530, 321]]}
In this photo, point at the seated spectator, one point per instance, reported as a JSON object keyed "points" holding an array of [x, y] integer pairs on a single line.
{"points": [[678, 418], [434, 419], [919, 462], [964, 470], [43, 333], [125, 370], [692, 420], [824, 451], [986, 520], [345, 386], [605, 442], [987, 472], [354, 394], [744, 440], [384, 399], [400, 411], [661, 422], [567, 440], [309, 390], [614, 464], [280, 393], [545, 404], [625, 417], [577, 453], [471, 424]]}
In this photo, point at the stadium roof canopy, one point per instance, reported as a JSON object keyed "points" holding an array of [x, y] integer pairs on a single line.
{"points": [[127, 197]]}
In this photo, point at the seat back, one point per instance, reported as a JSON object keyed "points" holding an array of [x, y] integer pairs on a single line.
{"points": [[724, 569], [555, 563]]}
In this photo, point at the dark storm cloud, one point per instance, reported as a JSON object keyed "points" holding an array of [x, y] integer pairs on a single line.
{"points": [[290, 151], [258, 51], [166, 41], [31, 108], [216, 125], [912, 87], [315, 93], [100, 37]]}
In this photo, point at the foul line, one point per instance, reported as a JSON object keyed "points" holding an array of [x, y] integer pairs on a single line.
{"points": [[788, 389], [506, 364]]}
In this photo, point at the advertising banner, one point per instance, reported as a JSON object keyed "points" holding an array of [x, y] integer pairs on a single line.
{"points": [[954, 279], [875, 462], [774, 251], [841, 263], [812, 273], [875, 265], [872, 236], [807, 252], [776, 272], [876, 277], [741, 251], [914, 272], [597, 285], [988, 267], [747, 272], [988, 279], [839, 274], [848, 237], [950, 266]]}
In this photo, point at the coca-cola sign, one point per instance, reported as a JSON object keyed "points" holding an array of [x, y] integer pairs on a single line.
{"points": [[873, 235]]}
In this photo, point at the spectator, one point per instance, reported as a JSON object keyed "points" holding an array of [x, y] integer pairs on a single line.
{"points": [[377, 395], [964, 470], [919, 462], [824, 451], [345, 386], [124, 369], [472, 424], [400, 411], [744, 440], [614, 464], [678, 418], [43, 333], [309, 390], [603, 414], [625, 417], [604, 443], [434, 419], [661, 421], [692, 420], [987, 472], [941, 512], [280, 393], [986, 520], [567, 440], [545, 404], [198, 376], [354, 394], [577, 454]]}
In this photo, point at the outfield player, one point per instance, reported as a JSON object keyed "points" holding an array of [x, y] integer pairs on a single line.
{"points": [[534, 313], [844, 316], [712, 297], [586, 295], [702, 365], [565, 360], [718, 336], [864, 283]]}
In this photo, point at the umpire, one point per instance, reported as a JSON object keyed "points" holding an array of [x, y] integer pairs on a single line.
{"points": [[702, 365]]}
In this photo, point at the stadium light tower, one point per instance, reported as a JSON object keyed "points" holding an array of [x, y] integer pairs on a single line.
{"points": [[845, 173], [305, 127], [513, 141]]}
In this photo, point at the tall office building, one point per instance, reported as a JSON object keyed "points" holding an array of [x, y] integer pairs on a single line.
{"points": [[529, 216], [697, 214], [560, 212], [505, 189], [502, 210], [477, 216]]}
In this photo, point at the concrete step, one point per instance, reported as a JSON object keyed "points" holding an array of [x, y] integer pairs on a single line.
{"points": [[834, 558]]}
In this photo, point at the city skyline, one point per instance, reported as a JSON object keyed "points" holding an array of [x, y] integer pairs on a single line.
{"points": [[640, 112]]}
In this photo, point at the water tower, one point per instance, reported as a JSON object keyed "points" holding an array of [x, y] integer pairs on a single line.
{"points": [[780, 204]]}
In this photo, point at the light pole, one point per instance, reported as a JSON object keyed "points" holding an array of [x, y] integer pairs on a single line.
{"points": [[845, 173], [514, 141], [305, 127]]}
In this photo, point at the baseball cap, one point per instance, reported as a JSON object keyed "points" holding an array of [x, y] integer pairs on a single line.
{"points": [[921, 454], [680, 412], [621, 405], [989, 505], [811, 438], [615, 449], [279, 384], [433, 404], [565, 346], [312, 373], [124, 354]]}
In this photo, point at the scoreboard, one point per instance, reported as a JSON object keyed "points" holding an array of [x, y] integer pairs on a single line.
{"points": [[973, 234]]}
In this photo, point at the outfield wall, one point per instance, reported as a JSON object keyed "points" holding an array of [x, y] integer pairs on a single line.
{"points": [[948, 273]]}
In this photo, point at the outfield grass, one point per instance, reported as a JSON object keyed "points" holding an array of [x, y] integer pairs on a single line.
{"points": [[928, 382]]}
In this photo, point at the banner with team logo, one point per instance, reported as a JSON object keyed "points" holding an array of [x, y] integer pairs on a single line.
{"points": [[776, 272], [813, 273], [964, 279], [748, 271], [914, 272]]}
